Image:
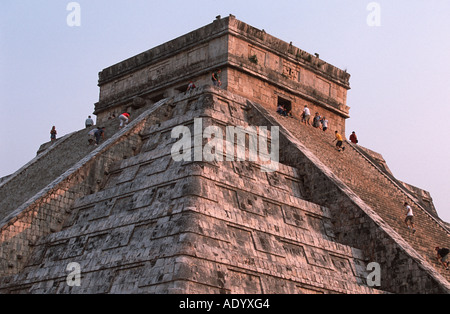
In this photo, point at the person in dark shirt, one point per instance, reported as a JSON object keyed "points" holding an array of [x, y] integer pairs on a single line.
{"points": [[99, 134], [353, 138], [216, 78], [53, 134], [442, 255], [316, 120], [281, 110], [191, 86]]}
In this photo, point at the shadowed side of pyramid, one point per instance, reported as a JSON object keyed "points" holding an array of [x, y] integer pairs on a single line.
{"points": [[42, 205]]}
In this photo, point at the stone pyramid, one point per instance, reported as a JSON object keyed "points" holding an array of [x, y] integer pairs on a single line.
{"points": [[132, 216]]}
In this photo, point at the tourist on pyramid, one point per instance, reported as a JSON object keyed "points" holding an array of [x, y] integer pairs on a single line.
{"points": [[124, 118], [324, 124], [339, 141], [353, 138], [305, 116], [99, 134], [91, 136], [281, 110], [442, 255], [316, 120], [89, 122], [409, 220], [191, 86], [53, 134], [216, 78]]}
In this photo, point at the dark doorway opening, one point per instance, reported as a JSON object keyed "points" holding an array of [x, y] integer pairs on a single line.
{"points": [[287, 104], [157, 98]]}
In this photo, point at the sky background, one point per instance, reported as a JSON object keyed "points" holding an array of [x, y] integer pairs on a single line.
{"points": [[400, 96]]}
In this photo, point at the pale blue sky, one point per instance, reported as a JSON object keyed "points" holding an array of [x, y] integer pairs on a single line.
{"points": [[400, 96]]}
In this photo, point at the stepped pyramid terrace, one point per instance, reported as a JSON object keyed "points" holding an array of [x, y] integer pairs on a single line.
{"points": [[211, 191]]}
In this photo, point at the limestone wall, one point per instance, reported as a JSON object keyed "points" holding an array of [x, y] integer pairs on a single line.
{"points": [[265, 93], [164, 70], [265, 68], [254, 64]]}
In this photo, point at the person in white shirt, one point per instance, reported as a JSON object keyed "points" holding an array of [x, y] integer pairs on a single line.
{"points": [[324, 124], [306, 115], [409, 217], [89, 122]]}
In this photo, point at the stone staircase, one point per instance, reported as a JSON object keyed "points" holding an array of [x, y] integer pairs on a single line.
{"points": [[375, 188], [51, 162], [38, 196]]}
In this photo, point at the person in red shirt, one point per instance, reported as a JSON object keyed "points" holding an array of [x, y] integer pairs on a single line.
{"points": [[353, 138], [191, 86], [53, 134], [124, 118]]}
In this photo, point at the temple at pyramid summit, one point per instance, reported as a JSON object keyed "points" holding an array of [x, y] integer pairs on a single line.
{"points": [[209, 190]]}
